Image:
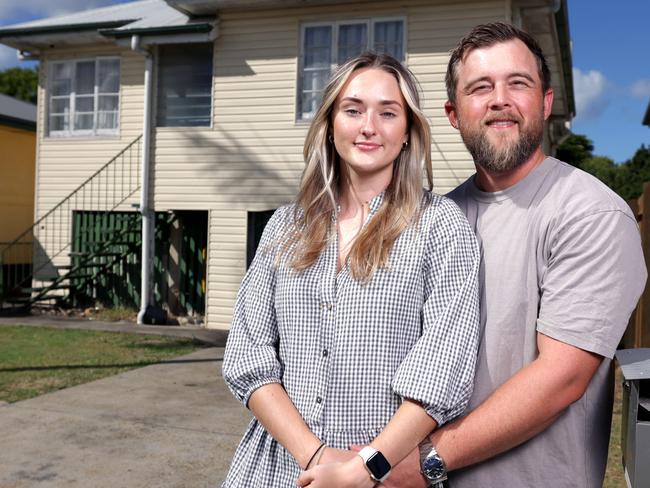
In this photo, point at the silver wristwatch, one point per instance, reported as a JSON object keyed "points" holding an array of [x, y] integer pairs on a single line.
{"points": [[432, 466]]}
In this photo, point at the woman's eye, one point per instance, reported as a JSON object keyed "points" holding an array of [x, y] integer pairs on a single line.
{"points": [[388, 115], [352, 111]]}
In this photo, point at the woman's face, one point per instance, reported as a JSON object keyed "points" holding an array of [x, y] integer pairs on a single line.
{"points": [[369, 123]]}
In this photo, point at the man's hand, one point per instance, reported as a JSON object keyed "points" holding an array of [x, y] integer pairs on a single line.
{"points": [[406, 474]]}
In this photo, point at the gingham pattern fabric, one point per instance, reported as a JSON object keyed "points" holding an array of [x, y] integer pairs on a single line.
{"points": [[347, 352]]}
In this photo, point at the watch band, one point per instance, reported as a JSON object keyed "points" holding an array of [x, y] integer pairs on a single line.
{"points": [[377, 465]]}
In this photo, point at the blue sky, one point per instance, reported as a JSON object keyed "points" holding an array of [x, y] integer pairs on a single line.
{"points": [[610, 60]]}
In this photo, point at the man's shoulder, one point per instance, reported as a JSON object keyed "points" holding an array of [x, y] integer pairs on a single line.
{"points": [[576, 192], [459, 194]]}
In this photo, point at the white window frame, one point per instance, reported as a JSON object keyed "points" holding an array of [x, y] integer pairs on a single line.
{"points": [[335, 25], [71, 132]]}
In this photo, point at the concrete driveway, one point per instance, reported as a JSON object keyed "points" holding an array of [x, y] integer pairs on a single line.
{"points": [[173, 424]]}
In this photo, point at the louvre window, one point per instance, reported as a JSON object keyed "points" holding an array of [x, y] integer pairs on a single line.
{"points": [[184, 85], [84, 96], [325, 46]]}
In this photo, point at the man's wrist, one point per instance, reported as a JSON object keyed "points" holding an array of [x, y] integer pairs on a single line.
{"points": [[432, 466]]}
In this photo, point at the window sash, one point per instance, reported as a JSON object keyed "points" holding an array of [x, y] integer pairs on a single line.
{"points": [[74, 104], [380, 34], [185, 85]]}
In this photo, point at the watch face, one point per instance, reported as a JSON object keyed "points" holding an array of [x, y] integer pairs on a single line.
{"points": [[433, 468], [378, 465]]}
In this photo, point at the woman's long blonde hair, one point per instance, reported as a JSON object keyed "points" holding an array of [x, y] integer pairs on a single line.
{"points": [[319, 186]]}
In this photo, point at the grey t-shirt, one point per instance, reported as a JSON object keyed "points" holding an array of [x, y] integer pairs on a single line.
{"points": [[561, 255]]}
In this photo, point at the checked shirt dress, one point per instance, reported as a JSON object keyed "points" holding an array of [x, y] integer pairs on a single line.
{"points": [[348, 352]]}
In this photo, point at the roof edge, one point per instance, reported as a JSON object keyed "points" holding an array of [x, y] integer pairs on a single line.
{"points": [[63, 28], [17, 123], [176, 29], [646, 118]]}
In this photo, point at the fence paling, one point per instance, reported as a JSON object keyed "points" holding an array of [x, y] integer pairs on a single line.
{"points": [[638, 331], [49, 232]]}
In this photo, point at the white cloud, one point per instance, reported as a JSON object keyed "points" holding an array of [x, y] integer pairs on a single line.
{"points": [[591, 90], [8, 58], [641, 89]]}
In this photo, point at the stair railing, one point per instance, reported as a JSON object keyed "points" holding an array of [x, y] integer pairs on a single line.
{"points": [[31, 254]]}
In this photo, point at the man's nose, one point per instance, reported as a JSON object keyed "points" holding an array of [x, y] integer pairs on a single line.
{"points": [[500, 97]]}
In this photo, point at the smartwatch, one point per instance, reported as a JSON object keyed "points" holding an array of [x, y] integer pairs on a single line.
{"points": [[432, 466], [375, 462]]}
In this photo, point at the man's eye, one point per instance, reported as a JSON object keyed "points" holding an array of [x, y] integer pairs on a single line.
{"points": [[480, 88]]}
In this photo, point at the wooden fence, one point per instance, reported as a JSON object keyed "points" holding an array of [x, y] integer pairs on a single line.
{"points": [[638, 330]]}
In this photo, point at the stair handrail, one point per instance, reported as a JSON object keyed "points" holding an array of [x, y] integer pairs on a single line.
{"points": [[62, 202]]}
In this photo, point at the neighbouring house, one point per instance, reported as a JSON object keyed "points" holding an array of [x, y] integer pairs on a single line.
{"points": [[207, 102], [17, 160]]}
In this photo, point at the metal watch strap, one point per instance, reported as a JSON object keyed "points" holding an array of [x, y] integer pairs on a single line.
{"points": [[432, 466]]}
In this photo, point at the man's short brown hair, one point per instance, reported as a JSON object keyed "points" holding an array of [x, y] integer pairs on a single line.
{"points": [[486, 35]]}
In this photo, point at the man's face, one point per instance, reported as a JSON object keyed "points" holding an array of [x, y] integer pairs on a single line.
{"points": [[500, 108]]}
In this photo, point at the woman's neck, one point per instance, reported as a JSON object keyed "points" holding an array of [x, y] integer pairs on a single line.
{"points": [[356, 193]]}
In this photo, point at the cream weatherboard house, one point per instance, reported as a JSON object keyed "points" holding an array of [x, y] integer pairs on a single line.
{"points": [[193, 113]]}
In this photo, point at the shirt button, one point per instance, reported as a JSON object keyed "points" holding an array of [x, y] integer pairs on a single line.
{"points": [[319, 400], [325, 352]]}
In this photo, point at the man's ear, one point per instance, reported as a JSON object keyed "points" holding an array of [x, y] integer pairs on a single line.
{"points": [[450, 110], [548, 103]]}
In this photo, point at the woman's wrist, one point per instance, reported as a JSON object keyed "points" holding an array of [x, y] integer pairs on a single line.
{"points": [[313, 460]]}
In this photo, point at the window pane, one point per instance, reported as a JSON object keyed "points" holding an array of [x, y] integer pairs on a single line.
{"points": [[107, 120], [83, 121], [109, 76], [353, 40], [309, 103], [389, 38], [318, 47], [85, 78], [108, 102], [59, 122], [315, 80], [61, 79], [84, 104], [60, 106], [185, 85]]}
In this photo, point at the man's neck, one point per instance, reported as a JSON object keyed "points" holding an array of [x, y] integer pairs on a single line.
{"points": [[491, 181]]}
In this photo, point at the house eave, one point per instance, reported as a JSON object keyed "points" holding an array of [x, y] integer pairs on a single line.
{"points": [[646, 118], [17, 123], [212, 7], [153, 31]]}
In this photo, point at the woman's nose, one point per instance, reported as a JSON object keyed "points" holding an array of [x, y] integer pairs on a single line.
{"points": [[368, 128]]}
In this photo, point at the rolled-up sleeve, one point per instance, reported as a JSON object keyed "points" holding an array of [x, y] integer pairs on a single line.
{"points": [[251, 356], [439, 370]]}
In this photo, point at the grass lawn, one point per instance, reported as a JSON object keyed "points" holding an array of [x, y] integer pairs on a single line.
{"points": [[37, 360]]}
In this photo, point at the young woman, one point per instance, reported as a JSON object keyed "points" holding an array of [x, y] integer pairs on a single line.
{"points": [[357, 322]]}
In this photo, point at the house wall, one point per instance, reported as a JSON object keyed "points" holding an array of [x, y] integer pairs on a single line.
{"points": [[17, 182], [251, 157], [64, 163]]}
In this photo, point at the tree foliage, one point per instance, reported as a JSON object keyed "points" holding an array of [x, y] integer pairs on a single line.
{"points": [[21, 83], [626, 178]]}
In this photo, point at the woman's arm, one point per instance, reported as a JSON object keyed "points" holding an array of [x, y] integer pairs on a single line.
{"points": [[276, 412]]}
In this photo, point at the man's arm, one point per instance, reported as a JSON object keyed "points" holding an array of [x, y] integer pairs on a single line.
{"points": [[518, 410]]}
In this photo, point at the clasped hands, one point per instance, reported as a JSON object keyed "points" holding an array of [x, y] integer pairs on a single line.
{"points": [[344, 469]]}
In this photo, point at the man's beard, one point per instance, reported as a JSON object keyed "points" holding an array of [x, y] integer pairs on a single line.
{"points": [[510, 154]]}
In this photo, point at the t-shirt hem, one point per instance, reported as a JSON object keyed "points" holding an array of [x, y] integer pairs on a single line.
{"points": [[577, 341]]}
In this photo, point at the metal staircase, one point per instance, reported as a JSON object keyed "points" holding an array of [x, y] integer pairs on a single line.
{"points": [[41, 267]]}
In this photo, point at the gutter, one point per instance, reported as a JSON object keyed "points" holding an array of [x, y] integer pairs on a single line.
{"points": [[63, 28], [174, 29], [146, 288], [564, 39]]}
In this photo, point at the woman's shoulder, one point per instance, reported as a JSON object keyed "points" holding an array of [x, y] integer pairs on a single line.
{"points": [[440, 209]]}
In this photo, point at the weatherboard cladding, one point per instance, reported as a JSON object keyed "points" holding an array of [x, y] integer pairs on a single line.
{"points": [[250, 159]]}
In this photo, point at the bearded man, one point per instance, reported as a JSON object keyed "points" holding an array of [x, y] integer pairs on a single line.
{"points": [[562, 269]]}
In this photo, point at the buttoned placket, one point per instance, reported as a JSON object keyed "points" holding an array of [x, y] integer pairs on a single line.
{"points": [[330, 283]]}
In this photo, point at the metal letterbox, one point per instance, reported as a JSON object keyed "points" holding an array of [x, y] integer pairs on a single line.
{"points": [[635, 426]]}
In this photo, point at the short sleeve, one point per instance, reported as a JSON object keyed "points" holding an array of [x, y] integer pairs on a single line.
{"points": [[251, 355], [439, 370], [595, 275]]}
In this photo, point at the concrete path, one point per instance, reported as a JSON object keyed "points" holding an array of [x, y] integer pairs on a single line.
{"points": [[173, 424]]}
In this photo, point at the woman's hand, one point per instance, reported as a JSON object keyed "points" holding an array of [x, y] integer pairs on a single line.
{"points": [[333, 455], [348, 474]]}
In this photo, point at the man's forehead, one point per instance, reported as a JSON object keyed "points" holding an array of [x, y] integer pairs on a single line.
{"points": [[507, 58]]}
